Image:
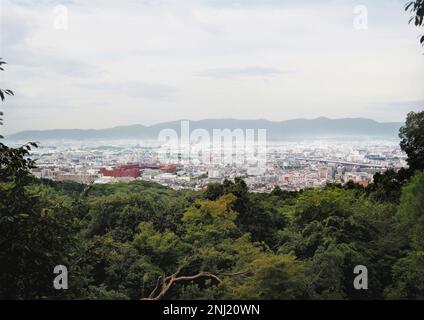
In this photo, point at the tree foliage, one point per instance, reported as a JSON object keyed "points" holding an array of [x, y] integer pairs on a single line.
{"points": [[412, 140]]}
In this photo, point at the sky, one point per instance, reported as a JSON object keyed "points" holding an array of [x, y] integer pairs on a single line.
{"points": [[98, 64]]}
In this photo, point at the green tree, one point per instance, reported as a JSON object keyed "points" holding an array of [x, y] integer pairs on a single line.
{"points": [[206, 254], [333, 230], [387, 186], [207, 222], [412, 140], [408, 272], [257, 215], [411, 210], [37, 231], [408, 278], [164, 250], [274, 277]]}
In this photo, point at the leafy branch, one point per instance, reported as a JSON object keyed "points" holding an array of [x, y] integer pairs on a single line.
{"points": [[3, 93], [417, 9]]}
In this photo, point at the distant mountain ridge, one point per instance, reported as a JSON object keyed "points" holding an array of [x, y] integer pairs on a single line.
{"points": [[295, 129]]}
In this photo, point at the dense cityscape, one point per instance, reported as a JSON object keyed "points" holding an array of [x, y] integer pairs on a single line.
{"points": [[291, 166]]}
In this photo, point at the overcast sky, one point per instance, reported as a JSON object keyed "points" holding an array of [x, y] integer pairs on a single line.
{"points": [[149, 61]]}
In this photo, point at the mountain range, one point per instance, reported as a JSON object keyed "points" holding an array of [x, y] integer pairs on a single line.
{"points": [[289, 130]]}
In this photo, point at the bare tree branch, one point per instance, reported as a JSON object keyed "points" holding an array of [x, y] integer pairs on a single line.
{"points": [[152, 294], [170, 280]]}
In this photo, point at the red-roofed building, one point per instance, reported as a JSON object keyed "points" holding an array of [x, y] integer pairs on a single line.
{"points": [[135, 170]]}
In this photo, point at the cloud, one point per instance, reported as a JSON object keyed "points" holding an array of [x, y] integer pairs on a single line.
{"points": [[15, 28], [403, 106], [41, 3], [228, 73], [177, 55], [251, 3], [150, 91], [46, 65]]}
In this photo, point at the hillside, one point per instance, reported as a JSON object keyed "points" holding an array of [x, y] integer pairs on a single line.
{"points": [[284, 130]]}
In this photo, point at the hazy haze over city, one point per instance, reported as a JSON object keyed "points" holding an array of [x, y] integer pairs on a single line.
{"points": [[170, 60]]}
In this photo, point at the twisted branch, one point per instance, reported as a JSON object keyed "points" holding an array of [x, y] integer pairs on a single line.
{"points": [[165, 283]]}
